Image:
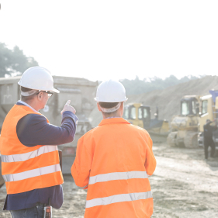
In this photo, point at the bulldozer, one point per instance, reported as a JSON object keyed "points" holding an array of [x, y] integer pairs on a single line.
{"points": [[184, 128], [140, 115]]}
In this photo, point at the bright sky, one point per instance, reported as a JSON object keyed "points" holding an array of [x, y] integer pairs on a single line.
{"points": [[116, 39]]}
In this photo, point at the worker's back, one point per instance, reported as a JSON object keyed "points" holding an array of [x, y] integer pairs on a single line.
{"points": [[120, 159]]}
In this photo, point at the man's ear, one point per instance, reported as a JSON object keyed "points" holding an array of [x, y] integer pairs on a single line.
{"points": [[39, 96]]}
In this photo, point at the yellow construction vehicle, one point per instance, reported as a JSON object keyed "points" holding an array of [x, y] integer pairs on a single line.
{"points": [[209, 110], [184, 128], [140, 115]]}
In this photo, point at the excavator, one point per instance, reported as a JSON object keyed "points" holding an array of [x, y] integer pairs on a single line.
{"points": [[184, 127], [140, 115]]}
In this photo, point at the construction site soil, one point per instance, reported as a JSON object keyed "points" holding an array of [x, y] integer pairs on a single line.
{"points": [[184, 185]]}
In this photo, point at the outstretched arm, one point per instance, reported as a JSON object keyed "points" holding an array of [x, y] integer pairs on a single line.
{"points": [[33, 130]]}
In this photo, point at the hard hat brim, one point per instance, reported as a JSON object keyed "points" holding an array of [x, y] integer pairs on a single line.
{"points": [[55, 90]]}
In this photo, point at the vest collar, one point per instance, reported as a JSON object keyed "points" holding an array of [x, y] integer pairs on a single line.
{"points": [[113, 121], [24, 103]]}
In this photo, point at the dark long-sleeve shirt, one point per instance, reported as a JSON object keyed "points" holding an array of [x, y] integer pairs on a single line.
{"points": [[208, 130], [33, 130]]}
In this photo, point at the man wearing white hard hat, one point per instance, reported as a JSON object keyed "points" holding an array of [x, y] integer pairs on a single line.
{"points": [[113, 161], [28, 146]]}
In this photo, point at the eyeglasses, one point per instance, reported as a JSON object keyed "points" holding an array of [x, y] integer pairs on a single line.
{"points": [[48, 92]]}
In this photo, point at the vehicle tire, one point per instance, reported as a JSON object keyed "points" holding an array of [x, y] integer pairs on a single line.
{"points": [[171, 139], [191, 140]]}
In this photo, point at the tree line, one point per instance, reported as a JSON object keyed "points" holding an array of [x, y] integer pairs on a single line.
{"points": [[137, 86], [13, 61]]}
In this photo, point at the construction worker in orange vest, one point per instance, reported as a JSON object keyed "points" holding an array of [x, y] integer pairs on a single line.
{"points": [[113, 161], [28, 146]]}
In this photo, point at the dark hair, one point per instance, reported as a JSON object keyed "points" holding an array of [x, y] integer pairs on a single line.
{"points": [[26, 98], [108, 104]]}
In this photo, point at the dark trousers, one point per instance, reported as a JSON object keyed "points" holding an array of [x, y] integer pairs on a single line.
{"points": [[34, 212], [209, 143]]}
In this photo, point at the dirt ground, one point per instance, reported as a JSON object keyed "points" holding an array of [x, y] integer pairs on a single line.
{"points": [[183, 186]]}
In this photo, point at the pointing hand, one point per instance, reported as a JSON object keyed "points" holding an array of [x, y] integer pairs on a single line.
{"points": [[68, 107]]}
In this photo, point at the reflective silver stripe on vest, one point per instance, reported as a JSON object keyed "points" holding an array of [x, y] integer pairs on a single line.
{"points": [[32, 173], [26, 156], [118, 176], [118, 198]]}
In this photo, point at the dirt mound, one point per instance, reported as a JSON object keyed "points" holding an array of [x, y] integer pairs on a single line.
{"points": [[167, 100]]}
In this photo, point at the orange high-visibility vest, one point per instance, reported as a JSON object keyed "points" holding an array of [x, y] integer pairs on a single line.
{"points": [[114, 161], [26, 168]]}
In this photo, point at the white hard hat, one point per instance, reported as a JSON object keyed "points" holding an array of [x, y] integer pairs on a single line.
{"points": [[111, 91], [37, 78]]}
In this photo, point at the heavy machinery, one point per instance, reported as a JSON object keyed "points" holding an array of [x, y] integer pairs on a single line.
{"points": [[140, 115], [81, 93], [184, 128], [209, 110]]}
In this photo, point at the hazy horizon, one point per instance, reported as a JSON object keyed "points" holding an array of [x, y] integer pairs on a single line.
{"points": [[120, 39]]}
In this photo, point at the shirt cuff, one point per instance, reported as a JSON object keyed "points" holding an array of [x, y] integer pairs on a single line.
{"points": [[70, 114]]}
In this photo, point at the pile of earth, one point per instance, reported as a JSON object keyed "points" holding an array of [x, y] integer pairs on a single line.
{"points": [[167, 100]]}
